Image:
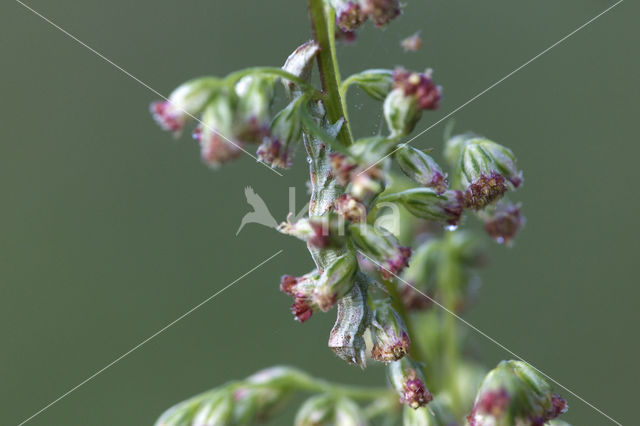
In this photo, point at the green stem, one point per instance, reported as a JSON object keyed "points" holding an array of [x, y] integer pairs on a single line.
{"points": [[322, 22], [449, 282]]}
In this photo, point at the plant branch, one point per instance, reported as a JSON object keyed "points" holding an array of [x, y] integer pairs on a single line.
{"points": [[322, 22]]}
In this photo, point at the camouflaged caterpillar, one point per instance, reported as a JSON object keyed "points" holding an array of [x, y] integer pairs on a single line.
{"points": [[346, 338]]}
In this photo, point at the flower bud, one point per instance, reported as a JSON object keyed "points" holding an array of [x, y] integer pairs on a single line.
{"points": [[301, 289], [514, 393], [349, 14], [335, 281], [425, 203], [316, 411], [377, 83], [285, 133], [318, 231], [300, 64], [348, 413], [343, 168], [216, 132], [421, 168], [346, 338], [213, 408], [436, 414], [412, 92], [253, 405], [255, 93], [350, 208], [184, 102], [389, 334], [407, 379], [382, 247], [401, 113], [503, 222], [485, 169], [381, 12], [371, 150], [367, 184]]}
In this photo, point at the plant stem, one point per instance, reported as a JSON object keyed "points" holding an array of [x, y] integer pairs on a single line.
{"points": [[322, 22], [449, 282]]}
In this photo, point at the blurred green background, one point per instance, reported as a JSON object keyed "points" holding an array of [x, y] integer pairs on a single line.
{"points": [[110, 229]]}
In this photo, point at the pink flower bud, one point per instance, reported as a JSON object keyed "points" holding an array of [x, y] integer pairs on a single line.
{"points": [[408, 381], [184, 102], [301, 289], [389, 334], [381, 12], [503, 223], [418, 85], [350, 208], [349, 14]]}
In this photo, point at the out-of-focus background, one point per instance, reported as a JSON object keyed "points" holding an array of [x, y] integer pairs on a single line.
{"points": [[110, 229]]}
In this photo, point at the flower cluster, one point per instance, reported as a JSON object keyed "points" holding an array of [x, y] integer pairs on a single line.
{"points": [[350, 14], [382, 230], [515, 393]]}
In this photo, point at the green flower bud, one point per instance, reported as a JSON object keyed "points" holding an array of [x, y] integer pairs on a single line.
{"points": [[425, 203], [300, 64], [335, 281], [348, 413], [401, 113], [316, 411], [211, 408], [286, 131], [515, 393], [389, 334], [434, 415], [186, 101], [382, 247], [485, 169], [454, 146], [253, 405], [346, 337], [377, 83], [371, 150], [407, 379], [217, 128], [421, 168], [255, 93]]}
